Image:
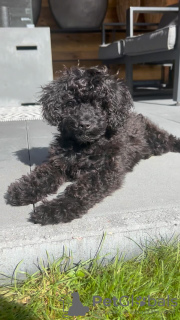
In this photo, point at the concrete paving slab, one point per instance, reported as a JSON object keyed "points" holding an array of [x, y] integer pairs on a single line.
{"points": [[40, 129], [165, 113], [39, 137], [147, 206], [13, 139]]}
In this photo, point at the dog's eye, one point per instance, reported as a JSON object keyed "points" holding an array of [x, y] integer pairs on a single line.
{"points": [[70, 104]]}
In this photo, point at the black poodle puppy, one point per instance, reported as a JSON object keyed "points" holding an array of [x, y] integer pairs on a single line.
{"points": [[100, 139]]}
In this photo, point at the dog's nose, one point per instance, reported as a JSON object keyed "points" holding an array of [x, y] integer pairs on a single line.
{"points": [[84, 125]]}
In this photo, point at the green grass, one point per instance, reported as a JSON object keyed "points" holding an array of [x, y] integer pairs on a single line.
{"points": [[155, 273]]}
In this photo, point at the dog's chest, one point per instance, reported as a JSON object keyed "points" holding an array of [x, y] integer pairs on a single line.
{"points": [[87, 161], [84, 162]]}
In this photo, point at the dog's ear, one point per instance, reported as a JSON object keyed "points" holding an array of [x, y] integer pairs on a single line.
{"points": [[119, 105], [55, 94], [51, 101]]}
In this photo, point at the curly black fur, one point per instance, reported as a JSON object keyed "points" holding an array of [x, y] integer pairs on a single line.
{"points": [[100, 139]]}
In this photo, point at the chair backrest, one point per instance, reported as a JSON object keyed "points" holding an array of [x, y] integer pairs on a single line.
{"points": [[169, 18]]}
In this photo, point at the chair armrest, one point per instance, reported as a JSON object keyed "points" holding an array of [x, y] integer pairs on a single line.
{"points": [[131, 10]]}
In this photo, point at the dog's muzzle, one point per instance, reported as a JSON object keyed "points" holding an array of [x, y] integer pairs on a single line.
{"points": [[81, 131]]}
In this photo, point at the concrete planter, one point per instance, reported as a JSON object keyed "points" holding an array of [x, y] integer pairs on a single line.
{"points": [[36, 7], [79, 14]]}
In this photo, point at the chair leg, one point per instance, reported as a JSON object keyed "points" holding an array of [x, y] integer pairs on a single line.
{"points": [[129, 75], [176, 85]]}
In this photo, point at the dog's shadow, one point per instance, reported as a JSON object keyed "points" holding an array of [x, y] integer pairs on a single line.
{"points": [[33, 156]]}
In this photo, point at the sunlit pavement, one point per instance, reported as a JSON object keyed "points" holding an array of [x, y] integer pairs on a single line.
{"points": [[148, 205]]}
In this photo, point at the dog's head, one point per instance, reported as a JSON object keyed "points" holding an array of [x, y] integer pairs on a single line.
{"points": [[86, 104]]}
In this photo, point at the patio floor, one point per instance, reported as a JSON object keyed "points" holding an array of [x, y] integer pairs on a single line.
{"points": [[148, 205]]}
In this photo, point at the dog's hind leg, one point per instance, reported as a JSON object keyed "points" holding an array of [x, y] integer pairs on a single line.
{"points": [[79, 197], [43, 180], [159, 141]]}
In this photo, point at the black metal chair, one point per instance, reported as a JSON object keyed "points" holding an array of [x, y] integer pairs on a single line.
{"points": [[159, 46]]}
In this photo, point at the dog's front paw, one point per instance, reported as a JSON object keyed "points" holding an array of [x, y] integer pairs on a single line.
{"points": [[20, 193], [54, 212], [44, 214], [14, 195]]}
